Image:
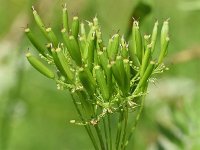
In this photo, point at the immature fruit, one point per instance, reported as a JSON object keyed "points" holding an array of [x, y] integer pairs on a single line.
{"points": [[38, 65]]}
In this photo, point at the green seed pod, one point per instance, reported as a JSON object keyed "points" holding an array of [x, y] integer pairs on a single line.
{"points": [[33, 40], [75, 27], [64, 64], [146, 59], [164, 33], [146, 41], [101, 82], [83, 48], [74, 50], [91, 50], [127, 76], [91, 31], [113, 50], [163, 51], [65, 38], [146, 75], [38, 65], [103, 58], [137, 40], [52, 37], [124, 48], [87, 81], [40, 23], [65, 19], [154, 36], [83, 32]]}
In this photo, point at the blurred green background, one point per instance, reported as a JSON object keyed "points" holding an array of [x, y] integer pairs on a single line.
{"points": [[35, 116]]}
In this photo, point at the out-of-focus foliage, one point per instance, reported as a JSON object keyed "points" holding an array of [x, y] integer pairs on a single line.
{"points": [[38, 115]]}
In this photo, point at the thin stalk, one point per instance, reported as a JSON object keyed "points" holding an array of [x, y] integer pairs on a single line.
{"points": [[135, 123], [106, 133], [125, 127], [87, 127], [119, 130], [99, 134], [109, 130]]}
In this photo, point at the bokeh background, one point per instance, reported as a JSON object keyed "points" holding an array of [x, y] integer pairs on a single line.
{"points": [[34, 115]]}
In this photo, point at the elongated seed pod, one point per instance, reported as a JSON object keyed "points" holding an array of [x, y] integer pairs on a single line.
{"points": [[36, 44], [104, 60], [164, 33], [117, 75], [64, 64], [101, 82], [163, 51], [154, 36], [75, 27], [65, 19], [74, 50], [124, 48], [65, 38], [87, 81], [137, 40], [145, 60], [146, 75], [91, 50], [146, 41], [38, 65], [113, 50], [52, 37], [83, 44], [83, 32], [127, 76], [91, 31], [40, 23]]}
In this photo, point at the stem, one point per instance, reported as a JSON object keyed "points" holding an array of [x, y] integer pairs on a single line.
{"points": [[119, 130], [87, 127], [106, 133], [125, 127], [109, 130], [98, 130], [135, 123]]}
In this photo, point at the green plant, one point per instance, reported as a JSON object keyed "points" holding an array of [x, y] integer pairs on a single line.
{"points": [[107, 83]]}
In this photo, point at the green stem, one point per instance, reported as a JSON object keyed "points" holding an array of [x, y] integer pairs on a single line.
{"points": [[99, 134], [119, 130], [87, 127], [106, 133], [125, 126], [109, 130], [135, 123]]}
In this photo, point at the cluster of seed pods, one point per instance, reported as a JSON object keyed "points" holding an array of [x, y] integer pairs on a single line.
{"points": [[105, 74]]}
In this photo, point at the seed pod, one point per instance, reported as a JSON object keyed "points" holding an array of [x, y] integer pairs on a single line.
{"points": [[83, 32], [74, 50], [146, 41], [101, 82], [91, 32], [163, 51], [65, 19], [38, 65], [83, 48], [36, 44], [40, 23], [164, 33], [145, 60], [65, 38], [118, 75], [137, 40], [87, 81], [52, 37], [102, 55], [154, 36], [64, 64], [124, 48], [127, 76], [146, 75], [91, 49], [75, 27], [113, 49]]}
